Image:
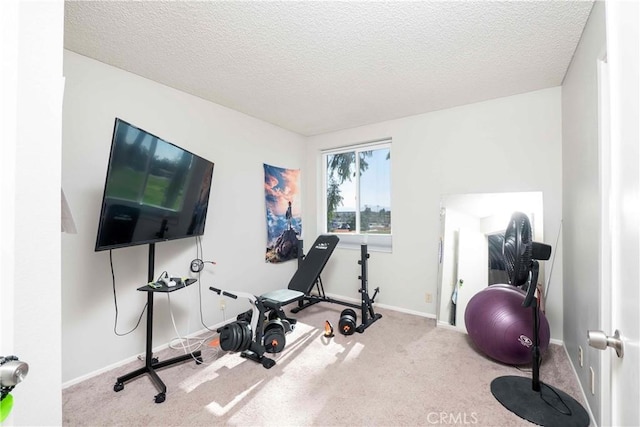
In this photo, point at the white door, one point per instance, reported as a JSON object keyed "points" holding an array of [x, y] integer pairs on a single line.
{"points": [[620, 284], [473, 270]]}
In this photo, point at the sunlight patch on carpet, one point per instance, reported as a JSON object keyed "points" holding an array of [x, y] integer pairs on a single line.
{"points": [[218, 410], [354, 352], [209, 372]]}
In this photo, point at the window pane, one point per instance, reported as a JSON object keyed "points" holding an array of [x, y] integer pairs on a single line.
{"points": [[341, 193], [375, 191]]}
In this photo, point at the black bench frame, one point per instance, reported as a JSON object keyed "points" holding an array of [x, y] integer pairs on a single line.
{"points": [[269, 306], [301, 285]]}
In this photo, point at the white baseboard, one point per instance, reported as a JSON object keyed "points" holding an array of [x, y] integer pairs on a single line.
{"points": [[584, 395], [445, 325], [103, 370], [165, 346], [407, 311], [385, 306], [135, 357]]}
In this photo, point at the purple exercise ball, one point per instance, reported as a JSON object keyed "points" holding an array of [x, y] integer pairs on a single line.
{"points": [[501, 328]]}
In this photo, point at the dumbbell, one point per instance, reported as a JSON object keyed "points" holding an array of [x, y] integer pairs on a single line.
{"points": [[348, 322]]}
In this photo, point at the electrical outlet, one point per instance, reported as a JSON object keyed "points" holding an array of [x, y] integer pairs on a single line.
{"points": [[223, 304], [580, 356], [593, 381], [427, 297]]}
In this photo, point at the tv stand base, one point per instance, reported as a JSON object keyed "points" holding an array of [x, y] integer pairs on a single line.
{"points": [[150, 368]]}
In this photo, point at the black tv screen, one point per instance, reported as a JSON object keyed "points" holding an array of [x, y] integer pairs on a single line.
{"points": [[154, 191]]}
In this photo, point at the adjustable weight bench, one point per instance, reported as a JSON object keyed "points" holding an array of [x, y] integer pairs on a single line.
{"points": [[263, 328], [308, 273], [300, 288]]}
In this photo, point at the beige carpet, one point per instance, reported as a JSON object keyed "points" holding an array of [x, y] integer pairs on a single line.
{"points": [[402, 371]]}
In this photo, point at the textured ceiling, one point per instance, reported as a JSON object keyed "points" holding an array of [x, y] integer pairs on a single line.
{"points": [[318, 66]]}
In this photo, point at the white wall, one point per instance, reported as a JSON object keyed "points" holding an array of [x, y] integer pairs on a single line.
{"points": [[581, 198], [235, 234], [31, 52], [503, 145]]}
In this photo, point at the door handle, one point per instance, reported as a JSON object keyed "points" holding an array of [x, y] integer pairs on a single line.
{"points": [[599, 340]]}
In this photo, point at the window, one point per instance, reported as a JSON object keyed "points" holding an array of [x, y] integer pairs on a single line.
{"points": [[357, 194]]}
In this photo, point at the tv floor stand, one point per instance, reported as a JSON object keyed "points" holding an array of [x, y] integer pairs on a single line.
{"points": [[151, 364]]}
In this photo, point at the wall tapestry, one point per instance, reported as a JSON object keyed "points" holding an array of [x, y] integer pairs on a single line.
{"points": [[284, 219]]}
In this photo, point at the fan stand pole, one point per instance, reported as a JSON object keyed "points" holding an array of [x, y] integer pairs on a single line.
{"points": [[533, 400], [535, 364]]}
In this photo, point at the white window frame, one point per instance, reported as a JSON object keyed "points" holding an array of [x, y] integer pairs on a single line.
{"points": [[374, 242]]}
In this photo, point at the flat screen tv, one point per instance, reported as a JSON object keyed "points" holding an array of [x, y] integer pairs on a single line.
{"points": [[154, 191]]}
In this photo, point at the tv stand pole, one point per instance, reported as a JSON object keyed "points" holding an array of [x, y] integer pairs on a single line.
{"points": [[152, 363]]}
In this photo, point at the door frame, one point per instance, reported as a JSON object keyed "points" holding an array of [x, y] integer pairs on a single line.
{"points": [[623, 53], [604, 154]]}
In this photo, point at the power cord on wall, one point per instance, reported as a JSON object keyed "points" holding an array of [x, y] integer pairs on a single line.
{"points": [[187, 348], [190, 342], [115, 302], [175, 328], [199, 263], [187, 344]]}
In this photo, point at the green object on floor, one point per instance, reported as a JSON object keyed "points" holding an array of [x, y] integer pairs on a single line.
{"points": [[5, 407]]}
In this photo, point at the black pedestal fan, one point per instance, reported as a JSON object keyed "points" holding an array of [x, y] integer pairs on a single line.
{"points": [[531, 399]]}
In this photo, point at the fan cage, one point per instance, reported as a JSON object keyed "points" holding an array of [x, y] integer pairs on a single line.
{"points": [[518, 249]]}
